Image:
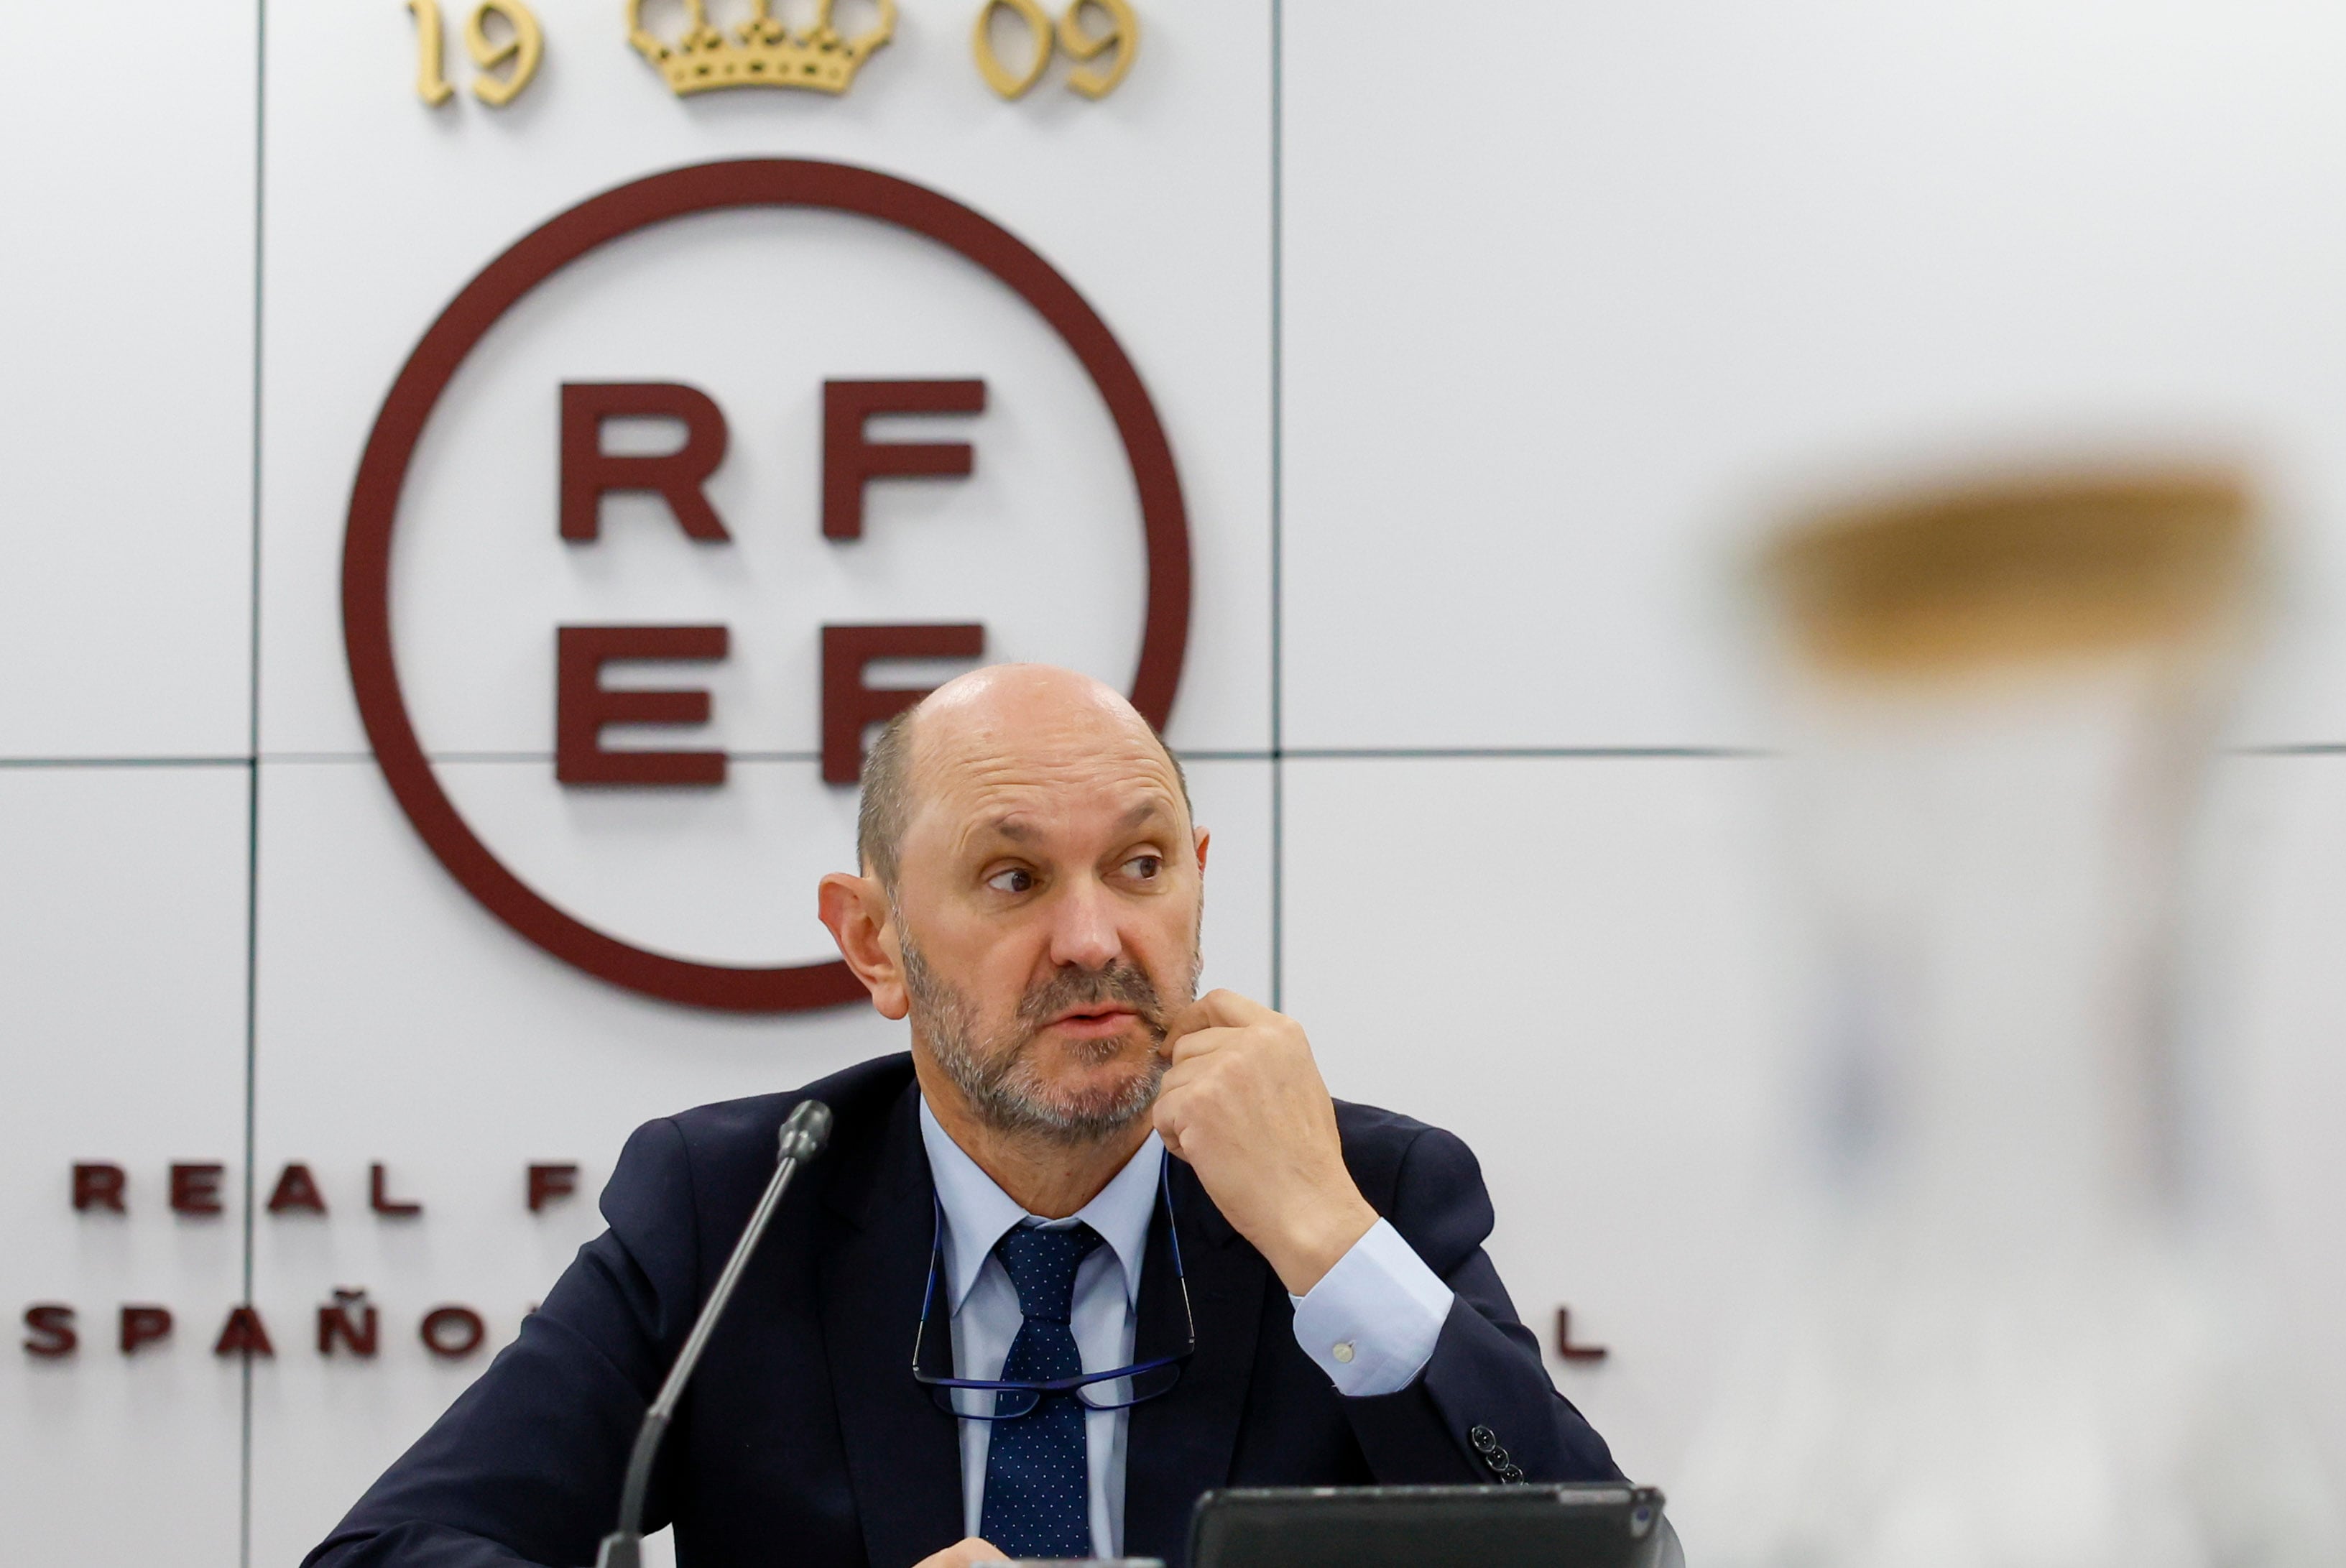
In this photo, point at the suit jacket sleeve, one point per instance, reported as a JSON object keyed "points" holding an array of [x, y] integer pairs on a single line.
{"points": [[525, 1468], [1485, 1371]]}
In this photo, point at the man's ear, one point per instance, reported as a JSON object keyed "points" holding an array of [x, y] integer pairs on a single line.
{"points": [[1204, 839], [856, 911]]}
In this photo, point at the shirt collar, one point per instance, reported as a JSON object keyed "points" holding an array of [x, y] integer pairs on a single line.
{"points": [[978, 1212]]}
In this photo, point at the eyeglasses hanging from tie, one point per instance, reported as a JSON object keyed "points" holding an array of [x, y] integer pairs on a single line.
{"points": [[1002, 1400]]}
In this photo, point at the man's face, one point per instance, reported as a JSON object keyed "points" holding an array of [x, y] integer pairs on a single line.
{"points": [[1047, 910]]}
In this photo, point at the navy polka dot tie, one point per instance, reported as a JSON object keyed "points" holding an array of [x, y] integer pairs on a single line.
{"points": [[1038, 1484]]}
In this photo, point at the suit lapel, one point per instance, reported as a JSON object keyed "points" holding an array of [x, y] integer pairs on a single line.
{"points": [[1180, 1444], [904, 1454]]}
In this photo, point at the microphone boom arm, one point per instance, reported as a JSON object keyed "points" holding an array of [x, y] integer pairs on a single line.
{"points": [[803, 1133]]}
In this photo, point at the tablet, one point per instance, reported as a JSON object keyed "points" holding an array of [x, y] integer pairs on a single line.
{"points": [[1594, 1525]]}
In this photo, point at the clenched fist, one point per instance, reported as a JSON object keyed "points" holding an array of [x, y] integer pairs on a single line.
{"points": [[1244, 1104]]}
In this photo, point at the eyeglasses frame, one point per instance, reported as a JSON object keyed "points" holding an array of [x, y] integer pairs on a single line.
{"points": [[1058, 1385]]}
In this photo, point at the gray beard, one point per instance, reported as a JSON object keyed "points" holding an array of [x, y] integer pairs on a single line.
{"points": [[998, 1076]]}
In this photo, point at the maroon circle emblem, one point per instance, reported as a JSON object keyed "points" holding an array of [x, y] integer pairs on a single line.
{"points": [[502, 284]]}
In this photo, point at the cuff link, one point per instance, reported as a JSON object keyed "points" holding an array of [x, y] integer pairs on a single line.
{"points": [[1494, 1459], [1342, 1350]]}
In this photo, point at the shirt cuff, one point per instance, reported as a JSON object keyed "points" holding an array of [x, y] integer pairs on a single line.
{"points": [[1371, 1322]]}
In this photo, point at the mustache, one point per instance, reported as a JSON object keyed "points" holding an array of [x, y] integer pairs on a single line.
{"points": [[1078, 988]]}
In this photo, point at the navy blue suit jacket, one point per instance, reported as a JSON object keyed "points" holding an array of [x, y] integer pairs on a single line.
{"points": [[803, 1439]]}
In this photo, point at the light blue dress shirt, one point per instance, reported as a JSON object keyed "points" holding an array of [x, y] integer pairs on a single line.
{"points": [[1370, 1323]]}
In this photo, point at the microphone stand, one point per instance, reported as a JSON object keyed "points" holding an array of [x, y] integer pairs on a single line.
{"points": [[802, 1138]]}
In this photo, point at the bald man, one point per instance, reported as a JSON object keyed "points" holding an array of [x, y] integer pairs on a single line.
{"points": [[1094, 1246]]}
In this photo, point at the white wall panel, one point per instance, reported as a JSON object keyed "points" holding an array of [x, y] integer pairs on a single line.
{"points": [[122, 979], [125, 429], [1568, 315], [400, 1024], [1232, 802], [1564, 963], [1153, 202]]}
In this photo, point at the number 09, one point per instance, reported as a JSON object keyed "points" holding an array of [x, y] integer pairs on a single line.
{"points": [[1121, 35]]}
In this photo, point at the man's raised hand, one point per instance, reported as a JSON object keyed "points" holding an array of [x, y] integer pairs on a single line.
{"points": [[1244, 1105]]}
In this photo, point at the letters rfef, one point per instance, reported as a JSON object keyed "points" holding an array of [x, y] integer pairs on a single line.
{"points": [[852, 461]]}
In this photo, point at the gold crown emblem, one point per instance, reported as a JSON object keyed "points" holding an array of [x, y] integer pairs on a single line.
{"points": [[760, 52]]}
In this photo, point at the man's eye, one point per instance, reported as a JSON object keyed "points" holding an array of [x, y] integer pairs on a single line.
{"points": [[1018, 880], [1145, 867]]}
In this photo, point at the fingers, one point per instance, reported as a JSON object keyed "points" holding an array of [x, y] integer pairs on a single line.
{"points": [[1215, 1010], [1211, 1022], [1229, 1009], [1184, 1022], [1179, 1076], [1166, 1119], [1190, 1090], [1178, 1102], [1221, 1045], [1196, 1043]]}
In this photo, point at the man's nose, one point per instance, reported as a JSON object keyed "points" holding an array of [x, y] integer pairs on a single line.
{"points": [[1084, 928]]}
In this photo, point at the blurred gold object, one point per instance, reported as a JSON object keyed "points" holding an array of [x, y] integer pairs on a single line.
{"points": [[2016, 571]]}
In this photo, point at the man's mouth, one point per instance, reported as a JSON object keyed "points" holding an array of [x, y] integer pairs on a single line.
{"points": [[1095, 1021]]}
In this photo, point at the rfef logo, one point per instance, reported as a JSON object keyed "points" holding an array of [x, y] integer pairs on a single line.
{"points": [[596, 466]]}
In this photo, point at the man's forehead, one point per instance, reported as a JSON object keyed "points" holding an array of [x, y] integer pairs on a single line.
{"points": [[1017, 750], [971, 791], [1028, 817], [1024, 787]]}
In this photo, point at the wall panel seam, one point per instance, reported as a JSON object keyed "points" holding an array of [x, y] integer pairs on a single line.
{"points": [[252, 746], [1278, 500]]}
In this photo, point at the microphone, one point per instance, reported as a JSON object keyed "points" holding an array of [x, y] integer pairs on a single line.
{"points": [[804, 1133]]}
